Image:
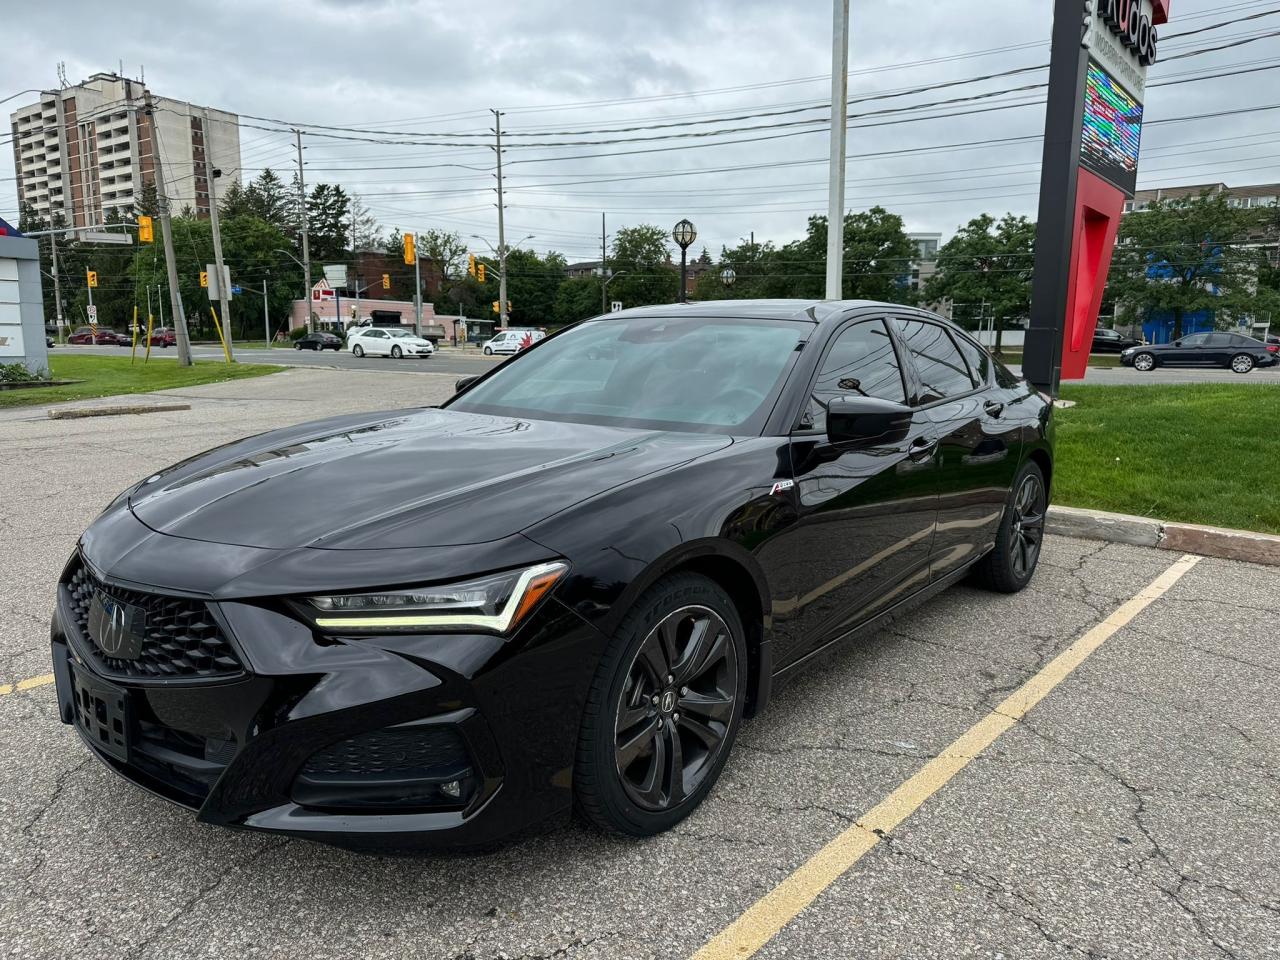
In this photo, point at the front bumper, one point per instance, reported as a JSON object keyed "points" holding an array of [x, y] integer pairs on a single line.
{"points": [[308, 736]]}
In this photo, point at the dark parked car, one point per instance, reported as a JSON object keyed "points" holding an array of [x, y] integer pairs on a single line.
{"points": [[103, 337], [1232, 350], [319, 340], [565, 587], [163, 337], [1110, 341]]}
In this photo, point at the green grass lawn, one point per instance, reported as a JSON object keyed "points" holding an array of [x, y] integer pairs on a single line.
{"points": [[1208, 453], [109, 376]]}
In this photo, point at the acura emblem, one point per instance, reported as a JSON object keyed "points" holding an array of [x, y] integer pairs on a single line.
{"points": [[117, 628]]}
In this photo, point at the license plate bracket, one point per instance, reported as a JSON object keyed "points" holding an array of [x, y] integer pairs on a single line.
{"points": [[103, 714]]}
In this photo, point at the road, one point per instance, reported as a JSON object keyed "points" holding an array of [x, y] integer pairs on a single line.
{"points": [[459, 363], [1129, 813], [465, 363]]}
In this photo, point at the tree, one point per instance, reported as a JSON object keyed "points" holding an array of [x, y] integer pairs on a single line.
{"points": [[643, 254], [366, 232], [329, 220], [270, 201], [533, 283], [1192, 254], [577, 299], [987, 266], [877, 258]]}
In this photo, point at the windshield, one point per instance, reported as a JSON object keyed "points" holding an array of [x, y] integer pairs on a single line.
{"points": [[708, 375]]}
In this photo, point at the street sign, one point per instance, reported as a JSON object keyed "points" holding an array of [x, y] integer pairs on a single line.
{"points": [[321, 291], [92, 310], [615, 306], [210, 274], [96, 236], [336, 274], [235, 288]]}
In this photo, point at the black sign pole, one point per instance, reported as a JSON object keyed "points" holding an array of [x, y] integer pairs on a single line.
{"points": [[1055, 226]]}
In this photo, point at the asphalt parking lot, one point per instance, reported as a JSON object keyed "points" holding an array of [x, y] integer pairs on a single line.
{"points": [[1131, 812]]}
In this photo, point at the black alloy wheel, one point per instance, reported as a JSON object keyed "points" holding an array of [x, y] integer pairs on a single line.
{"points": [[664, 709], [1010, 566]]}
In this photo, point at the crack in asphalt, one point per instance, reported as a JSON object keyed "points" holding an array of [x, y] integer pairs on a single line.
{"points": [[576, 943]]}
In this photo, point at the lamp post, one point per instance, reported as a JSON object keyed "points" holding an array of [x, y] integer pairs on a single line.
{"points": [[684, 233], [727, 277]]}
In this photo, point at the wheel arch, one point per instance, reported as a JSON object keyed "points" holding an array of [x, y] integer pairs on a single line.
{"points": [[735, 571], [1042, 459]]}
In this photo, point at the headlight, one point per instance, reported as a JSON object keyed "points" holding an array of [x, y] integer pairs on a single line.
{"points": [[496, 602]]}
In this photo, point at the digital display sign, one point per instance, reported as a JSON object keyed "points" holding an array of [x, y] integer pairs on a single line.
{"points": [[1112, 130]]}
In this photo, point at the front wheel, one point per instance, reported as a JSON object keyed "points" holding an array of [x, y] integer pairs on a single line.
{"points": [[663, 710], [297, 346], [1242, 363], [1012, 563], [488, 351], [1144, 363], [358, 350], [396, 353]]}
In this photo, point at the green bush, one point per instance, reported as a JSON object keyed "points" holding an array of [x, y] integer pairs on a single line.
{"points": [[18, 373]]}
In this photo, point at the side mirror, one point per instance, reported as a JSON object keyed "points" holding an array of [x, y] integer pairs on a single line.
{"points": [[464, 382], [867, 421], [1177, 343]]}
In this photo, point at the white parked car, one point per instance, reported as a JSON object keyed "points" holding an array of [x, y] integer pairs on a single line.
{"points": [[512, 341], [387, 342]]}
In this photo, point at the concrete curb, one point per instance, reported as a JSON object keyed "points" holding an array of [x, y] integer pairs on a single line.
{"points": [[1243, 545], [76, 413]]}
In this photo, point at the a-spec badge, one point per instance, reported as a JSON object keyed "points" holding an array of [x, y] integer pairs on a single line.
{"points": [[781, 486]]}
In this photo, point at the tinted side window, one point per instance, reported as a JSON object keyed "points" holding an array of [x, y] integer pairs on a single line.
{"points": [[942, 370], [861, 362], [1195, 340], [978, 359], [1219, 340]]}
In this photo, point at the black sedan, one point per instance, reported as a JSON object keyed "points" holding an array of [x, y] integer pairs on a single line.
{"points": [[318, 340], [1106, 340], [562, 589], [1231, 350]]}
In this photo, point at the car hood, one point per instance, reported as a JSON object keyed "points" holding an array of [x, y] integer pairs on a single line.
{"points": [[417, 479]]}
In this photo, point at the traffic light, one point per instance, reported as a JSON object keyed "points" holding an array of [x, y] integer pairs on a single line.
{"points": [[146, 233], [92, 277], [410, 249], [471, 264], [495, 307], [480, 271], [386, 281], [204, 279]]}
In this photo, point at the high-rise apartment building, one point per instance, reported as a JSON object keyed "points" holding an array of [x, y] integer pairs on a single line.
{"points": [[86, 150]]}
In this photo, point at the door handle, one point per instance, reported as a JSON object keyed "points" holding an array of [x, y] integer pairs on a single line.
{"points": [[993, 407], [922, 449]]}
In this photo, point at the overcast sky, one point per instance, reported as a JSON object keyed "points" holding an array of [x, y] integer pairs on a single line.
{"points": [[430, 68]]}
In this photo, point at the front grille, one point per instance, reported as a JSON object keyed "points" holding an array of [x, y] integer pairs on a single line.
{"points": [[181, 640]]}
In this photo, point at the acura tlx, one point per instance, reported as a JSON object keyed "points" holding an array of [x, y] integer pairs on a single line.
{"points": [[562, 589]]}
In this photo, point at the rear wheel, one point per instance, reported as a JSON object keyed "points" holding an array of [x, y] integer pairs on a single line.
{"points": [[1242, 363], [1011, 565], [663, 710], [358, 350], [1144, 362]]}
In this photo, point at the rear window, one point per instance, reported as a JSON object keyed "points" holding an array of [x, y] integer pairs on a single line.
{"points": [[943, 371]]}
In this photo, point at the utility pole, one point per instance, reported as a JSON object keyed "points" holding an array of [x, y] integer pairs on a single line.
{"points": [[89, 287], [839, 125], [306, 243], [224, 295], [604, 267], [417, 290], [166, 233], [57, 287], [266, 315], [502, 231]]}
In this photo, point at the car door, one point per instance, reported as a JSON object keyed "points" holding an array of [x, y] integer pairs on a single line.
{"points": [[865, 516], [1187, 352], [1218, 350], [978, 443]]}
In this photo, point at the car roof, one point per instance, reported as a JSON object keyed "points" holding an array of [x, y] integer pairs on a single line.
{"points": [[803, 311]]}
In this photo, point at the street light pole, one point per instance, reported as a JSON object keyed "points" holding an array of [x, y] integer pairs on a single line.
{"points": [[211, 175], [57, 288], [306, 243], [684, 233], [839, 125]]}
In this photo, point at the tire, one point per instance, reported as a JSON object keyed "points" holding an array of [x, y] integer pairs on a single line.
{"points": [[1242, 363], [1009, 567], [358, 350], [297, 346], [1144, 362], [488, 351], [396, 353], [639, 797]]}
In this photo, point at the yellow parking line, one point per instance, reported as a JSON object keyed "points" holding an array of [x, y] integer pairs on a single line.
{"points": [[768, 915], [28, 684]]}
